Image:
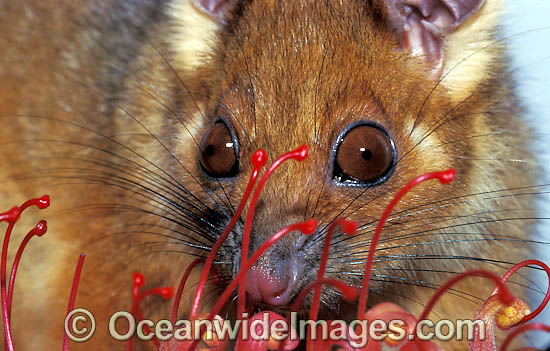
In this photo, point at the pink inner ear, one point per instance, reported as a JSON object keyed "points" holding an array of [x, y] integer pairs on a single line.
{"points": [[423, 39], [424, 23], [462, 9], [215, 8]]}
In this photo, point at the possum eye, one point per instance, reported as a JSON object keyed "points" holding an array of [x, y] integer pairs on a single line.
{"points": [[365, 156], [218, 154]]}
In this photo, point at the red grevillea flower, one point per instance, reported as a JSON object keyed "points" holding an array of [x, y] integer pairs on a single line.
{"points": [[502, 305], [501, 310]]}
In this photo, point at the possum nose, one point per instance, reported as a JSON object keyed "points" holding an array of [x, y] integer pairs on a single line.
{"points": [[263, 286]]}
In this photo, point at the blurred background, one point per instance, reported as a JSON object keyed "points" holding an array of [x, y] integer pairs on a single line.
{"points": [[528, 22]]}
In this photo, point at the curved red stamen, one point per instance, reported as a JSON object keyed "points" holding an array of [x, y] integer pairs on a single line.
{"points": [[299, 155], [520, 330], [11, 217], [164, 292], [72, 297], [444, 177], [307, 228], [349, 292], [258, 160], [517, 267], [138, 280], [39, 230], [41, 203], [13, 214], [504, 293], [348, 227], [183, 280]]}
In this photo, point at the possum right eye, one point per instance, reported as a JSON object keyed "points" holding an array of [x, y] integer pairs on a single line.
{"points": [[218, 152], [364, 156]]}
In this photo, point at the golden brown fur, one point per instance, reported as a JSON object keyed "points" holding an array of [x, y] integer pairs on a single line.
{"points": [[99, 101]]}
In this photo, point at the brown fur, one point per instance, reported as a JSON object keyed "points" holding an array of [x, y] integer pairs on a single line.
{"points": [[283, 74]]}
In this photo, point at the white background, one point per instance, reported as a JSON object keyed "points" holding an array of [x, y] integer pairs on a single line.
{"points": [[531, 56]]}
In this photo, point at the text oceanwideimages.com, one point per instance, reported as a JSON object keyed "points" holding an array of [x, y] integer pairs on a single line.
{"points": [[80, 326]]}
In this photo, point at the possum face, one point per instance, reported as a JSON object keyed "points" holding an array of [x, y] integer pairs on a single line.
{"points": [[380, 92]]}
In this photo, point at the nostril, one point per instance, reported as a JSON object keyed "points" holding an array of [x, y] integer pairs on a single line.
{"points": [[263, 286]]}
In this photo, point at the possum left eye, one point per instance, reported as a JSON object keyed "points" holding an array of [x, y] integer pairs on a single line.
{"points": [[365, 156], [218, 154]]}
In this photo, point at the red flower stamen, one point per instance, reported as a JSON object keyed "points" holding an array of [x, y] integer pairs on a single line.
{"points": [[258, 160], [517, 267], [348, 227], [72, 297], [299, 155], [504, 293], [164, 292], [39, 230], [183, 280], [520, 330], [444, 177]]}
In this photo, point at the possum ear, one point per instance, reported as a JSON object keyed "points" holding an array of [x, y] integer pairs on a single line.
{"points": [[425, 25], [217, 9]]}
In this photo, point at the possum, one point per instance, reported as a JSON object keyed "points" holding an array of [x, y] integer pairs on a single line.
{"points": [[139, 118]]}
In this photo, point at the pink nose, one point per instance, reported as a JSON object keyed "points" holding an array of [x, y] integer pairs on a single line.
{"points": [[262, 286]]}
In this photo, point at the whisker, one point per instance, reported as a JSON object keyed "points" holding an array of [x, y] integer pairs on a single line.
{"points": [[171, 180]]}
